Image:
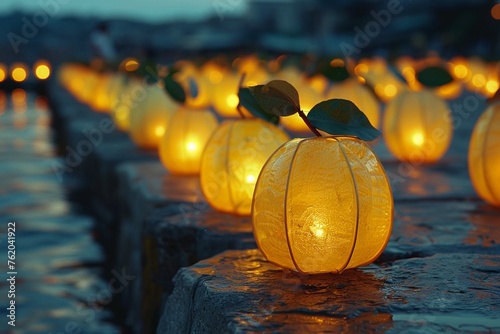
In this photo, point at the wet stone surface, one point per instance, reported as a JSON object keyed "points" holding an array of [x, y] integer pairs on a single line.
{"points": [[167, 225], [59, 284], [240, 292], [439, 273]]}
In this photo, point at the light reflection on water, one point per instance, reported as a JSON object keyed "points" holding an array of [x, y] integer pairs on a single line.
{"points": [[57, 260]]}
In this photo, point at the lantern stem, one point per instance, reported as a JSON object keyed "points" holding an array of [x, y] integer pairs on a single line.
{"points": [[309, 125], [240, 84]]}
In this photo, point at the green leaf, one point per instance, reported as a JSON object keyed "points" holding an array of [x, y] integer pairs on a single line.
{"points": [[342, 117], [248, 101], [277, 97], [434, 76], [336, 73], [174, 89]]}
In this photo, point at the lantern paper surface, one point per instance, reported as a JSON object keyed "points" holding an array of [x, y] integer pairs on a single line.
{"points": [[232, 161], [149, 116], [417, 127], [126, 99], [484, 155], [225, 96], [101, 100], [195, 85], [322, 205], [185, 139], [360, 95]]}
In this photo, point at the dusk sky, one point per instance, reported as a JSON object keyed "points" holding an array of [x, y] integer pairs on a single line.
{"points": [[144, 10]]}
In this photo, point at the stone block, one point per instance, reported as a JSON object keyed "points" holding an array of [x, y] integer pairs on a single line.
{"points": [[240, 292]]}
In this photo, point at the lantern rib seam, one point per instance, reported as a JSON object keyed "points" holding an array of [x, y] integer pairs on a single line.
{"points": [[357, 207], [484, 157], [285, 215]]}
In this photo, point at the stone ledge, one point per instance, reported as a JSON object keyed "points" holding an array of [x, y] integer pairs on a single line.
{"points": [[240, 292]]}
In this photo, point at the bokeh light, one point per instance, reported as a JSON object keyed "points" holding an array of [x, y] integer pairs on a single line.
{"points": [[495, 11], [19, 72], [41, 69]]}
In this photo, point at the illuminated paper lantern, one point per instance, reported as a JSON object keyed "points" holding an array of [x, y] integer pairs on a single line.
{"points": [[322, 205], [232, 161], [417, 127], [225, 96], [100, 100], [354, 91], [128, 97], [185, 139], [376, 72], [115, 87], [196, 86], [484, 155], [149, 116]]}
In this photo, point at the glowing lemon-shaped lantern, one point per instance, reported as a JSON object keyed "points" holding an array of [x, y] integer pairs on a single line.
{"points": [[354, 91], [132, 90], [195, 85], [484, 155], [322, 205], [417, 127], [149, 117], [115, 88], [100, 100], [225, 96], [185, 139], [232, 161]]}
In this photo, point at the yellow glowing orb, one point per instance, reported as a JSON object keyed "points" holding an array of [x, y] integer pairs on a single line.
{"points": [[460, 71], [318, 230], [478, 80], [131, 65], [495, 11], [337, 62], [232, 100], [41, 69], [491, 86], [2, 73], [361, 69], [42, 72], [390, 90], [251, 178], [159, 131], [418, 139], [191, 146], [19, 73]]}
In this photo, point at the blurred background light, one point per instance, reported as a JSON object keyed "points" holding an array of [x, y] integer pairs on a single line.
{"points": [[19, 72]]}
